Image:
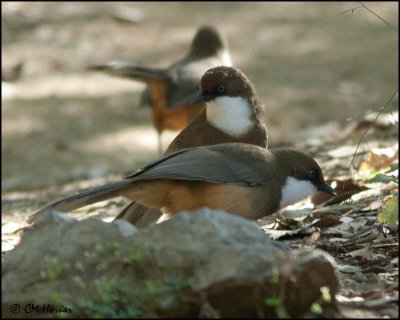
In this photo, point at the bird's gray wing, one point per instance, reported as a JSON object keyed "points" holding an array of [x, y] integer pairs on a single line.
{"points": [[194, 164], [182, 94], [145, 100], [185, 77], [200, 164], [184, 82], [131, 71]]}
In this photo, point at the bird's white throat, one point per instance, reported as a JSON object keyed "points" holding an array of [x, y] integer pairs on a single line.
{"points": [[231, 115], [295, 190]]}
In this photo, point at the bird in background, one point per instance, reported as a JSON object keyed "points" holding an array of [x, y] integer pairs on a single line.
{"points": [[169, 90]]}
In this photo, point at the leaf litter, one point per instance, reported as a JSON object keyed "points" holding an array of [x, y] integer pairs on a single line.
{"points": [[359, 226], [364, 246]]}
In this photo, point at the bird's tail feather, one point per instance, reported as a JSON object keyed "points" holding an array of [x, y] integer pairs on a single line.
{"points": [[85, 198], [131, 71]]}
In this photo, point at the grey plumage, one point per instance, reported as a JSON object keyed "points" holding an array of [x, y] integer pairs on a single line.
{"points": [[200, 164], [182, 77], [193, 164], [240, 178]]}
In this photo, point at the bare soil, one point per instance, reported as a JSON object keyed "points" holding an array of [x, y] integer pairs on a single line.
{"points": [[65, 129]]}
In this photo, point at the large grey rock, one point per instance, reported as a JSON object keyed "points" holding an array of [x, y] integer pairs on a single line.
{"points": [[206, 263]]}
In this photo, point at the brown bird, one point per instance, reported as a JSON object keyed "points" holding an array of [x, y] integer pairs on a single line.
{"points": [[169, 90], [231, 112], [239, 178]]}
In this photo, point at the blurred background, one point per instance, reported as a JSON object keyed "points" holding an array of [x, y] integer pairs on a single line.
{"points": [[312, 63]]}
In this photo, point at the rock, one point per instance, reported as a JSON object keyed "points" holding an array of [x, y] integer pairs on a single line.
{"points": [[207, 263]]}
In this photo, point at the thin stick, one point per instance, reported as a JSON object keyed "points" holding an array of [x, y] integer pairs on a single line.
{"points": [[348, 10], [383, 20], [369, 126], [365, 7]]}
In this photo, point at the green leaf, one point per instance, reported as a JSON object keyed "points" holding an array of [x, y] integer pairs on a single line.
{"points": [[326, 295], [394, 166], [316, 308], [389, 211], [273, 301], [277, 304], [153, 287], [167, 301], [384, 178]]}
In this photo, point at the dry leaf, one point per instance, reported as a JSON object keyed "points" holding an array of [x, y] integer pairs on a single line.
{"points": [[326, 222], [345, 189], [349, 269], [10, 227], [335, 210], [379, 121], [364, 252], [378, 159], [346, 219], [346, 151]]}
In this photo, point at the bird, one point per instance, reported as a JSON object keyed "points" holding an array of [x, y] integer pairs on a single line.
{"points": [[231, 112], [169, 89], [240, 178]]}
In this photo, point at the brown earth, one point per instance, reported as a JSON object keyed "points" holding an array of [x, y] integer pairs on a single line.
{"points": [[64, 128]]}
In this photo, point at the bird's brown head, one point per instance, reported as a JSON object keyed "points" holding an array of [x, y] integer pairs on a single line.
{"points": [[207, 41], [303, 176], [232, 104], [225, 81]]}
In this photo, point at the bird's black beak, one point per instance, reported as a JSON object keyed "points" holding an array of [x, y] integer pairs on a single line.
{"points": [[322, 186], [202, 97]]}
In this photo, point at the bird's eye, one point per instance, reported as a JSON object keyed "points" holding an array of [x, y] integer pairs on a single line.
{"points": [[312, 174], [221, 89]]}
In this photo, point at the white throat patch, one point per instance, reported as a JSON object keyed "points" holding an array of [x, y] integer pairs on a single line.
{"points": [[230, 114], [295, 190]]}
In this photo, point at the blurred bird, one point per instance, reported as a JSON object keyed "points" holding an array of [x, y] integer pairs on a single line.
{"points": [[169, 89]]}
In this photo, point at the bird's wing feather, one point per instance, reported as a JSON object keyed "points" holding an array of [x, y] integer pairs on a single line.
{"points": [[180, 95], [185, 77], [200, 164]]}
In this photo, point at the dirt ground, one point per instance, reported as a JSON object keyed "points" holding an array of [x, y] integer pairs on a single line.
{"points": [[64, 128]]}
